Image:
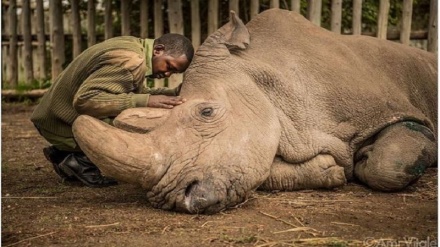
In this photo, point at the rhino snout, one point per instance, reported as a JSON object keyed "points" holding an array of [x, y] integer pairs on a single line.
{"points": [[201, 198]]}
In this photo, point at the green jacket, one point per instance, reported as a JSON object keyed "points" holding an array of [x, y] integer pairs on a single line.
{"points": [[102, 81]]}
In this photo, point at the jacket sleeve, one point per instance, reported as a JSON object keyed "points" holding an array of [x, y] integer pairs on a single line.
{"points": [[107, 92], [163, 91]]}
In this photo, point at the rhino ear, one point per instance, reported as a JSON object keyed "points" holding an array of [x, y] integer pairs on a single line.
{"points": [[236, 35]]}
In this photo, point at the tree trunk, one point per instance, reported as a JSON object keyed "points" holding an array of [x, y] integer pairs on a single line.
{"points": [[41, 41], [314, 11], [108, 19], [255, 8], [233, 5], [13, 56], [432, 31], [382, 22], [125, 18], [175, 19], [336, 16], [27, 38], [56, 36], [357, 17], [195, 24], [296, 5], [91, 23], [212, 16], [76, 28], [144, 19]]}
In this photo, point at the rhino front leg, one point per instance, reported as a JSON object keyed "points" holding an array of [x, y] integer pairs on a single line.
{"points": [[319, 172], [397, 157]]}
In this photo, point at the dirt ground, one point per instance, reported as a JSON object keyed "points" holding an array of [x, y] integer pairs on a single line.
{"points": [[39, 210]]}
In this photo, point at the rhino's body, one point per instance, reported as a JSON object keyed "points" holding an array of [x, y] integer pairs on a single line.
{"points": [[278, 104]]}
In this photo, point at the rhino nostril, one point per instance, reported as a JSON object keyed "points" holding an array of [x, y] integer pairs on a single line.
{"points": [[190, 187]]}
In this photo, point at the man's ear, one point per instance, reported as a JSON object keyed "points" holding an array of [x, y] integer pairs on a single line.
{"points": [[158, 49]]}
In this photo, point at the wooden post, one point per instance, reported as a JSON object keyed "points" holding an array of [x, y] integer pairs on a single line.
{"points": [[357, 17], [432, 31], [13, 56], [91, 24], [125, 18], [108, 19], [27, 38], [254, 8], [336, 17], [56, 36], [275, 4], [76, 28], [144, 19], [405, 32], [41, 48], [195, 24], [158, 32], [314, 11], [382, 22], [296, 5], [212, 16], [234, 5], [175, 18]]}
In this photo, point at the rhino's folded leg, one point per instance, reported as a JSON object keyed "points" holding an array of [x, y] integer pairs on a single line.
{"points": [[319, 172], [397, 157]]}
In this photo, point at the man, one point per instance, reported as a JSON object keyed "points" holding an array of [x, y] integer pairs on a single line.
{"points": [[104, 80]]}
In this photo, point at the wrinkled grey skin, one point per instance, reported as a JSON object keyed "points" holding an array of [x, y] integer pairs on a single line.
{"points": [[278, 104]]}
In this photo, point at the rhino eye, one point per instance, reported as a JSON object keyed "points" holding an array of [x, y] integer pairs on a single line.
{"points": [[207, 112]]}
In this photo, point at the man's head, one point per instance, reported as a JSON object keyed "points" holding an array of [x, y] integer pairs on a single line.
{"points": [[172, 53]]}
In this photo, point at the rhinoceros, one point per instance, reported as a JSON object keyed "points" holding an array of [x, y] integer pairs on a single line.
{"points": [[277, 104]]}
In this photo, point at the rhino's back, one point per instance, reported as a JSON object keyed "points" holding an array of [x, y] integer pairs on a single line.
{"points": [[364, 80]]}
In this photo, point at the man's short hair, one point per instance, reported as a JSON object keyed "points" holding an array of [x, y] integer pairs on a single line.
{"points": [[176, 45]]}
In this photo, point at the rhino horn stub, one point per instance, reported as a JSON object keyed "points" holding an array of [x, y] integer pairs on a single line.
{"points": [[141, 120], [235, 33]]}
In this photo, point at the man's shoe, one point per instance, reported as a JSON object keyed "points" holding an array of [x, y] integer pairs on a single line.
{"points": [[55, 156], [79, 166]]}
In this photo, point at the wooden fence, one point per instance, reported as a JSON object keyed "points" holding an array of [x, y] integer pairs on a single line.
{"points": [[35, 32]]}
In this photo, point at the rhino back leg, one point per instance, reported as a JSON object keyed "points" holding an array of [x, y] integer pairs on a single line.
{"points": [[319, 172], [396, 157]]}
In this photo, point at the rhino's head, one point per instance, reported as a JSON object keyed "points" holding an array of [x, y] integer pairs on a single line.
{"points": [[205, 155]]}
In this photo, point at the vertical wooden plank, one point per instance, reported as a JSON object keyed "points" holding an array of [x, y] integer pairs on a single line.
{"points": [[275, 4], [405, 32], [108, 19], [382, 22], [91, 23], [234, 5], [314, 11], [125, 18], [357, 17], [296, 5], [432, 31], [56, 36], [41, 47], [27, 38], [175, 18], [158, 32], [254, 8], [336, 16], [158, 18], [144, 19], [76, 28], [13, 48], [212, 16], [195, 24]]}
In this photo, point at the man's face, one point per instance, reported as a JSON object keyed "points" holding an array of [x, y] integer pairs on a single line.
{"points": [[165, 65]]}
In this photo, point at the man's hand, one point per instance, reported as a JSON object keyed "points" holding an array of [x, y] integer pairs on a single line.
{"points": [[163, 101]]}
